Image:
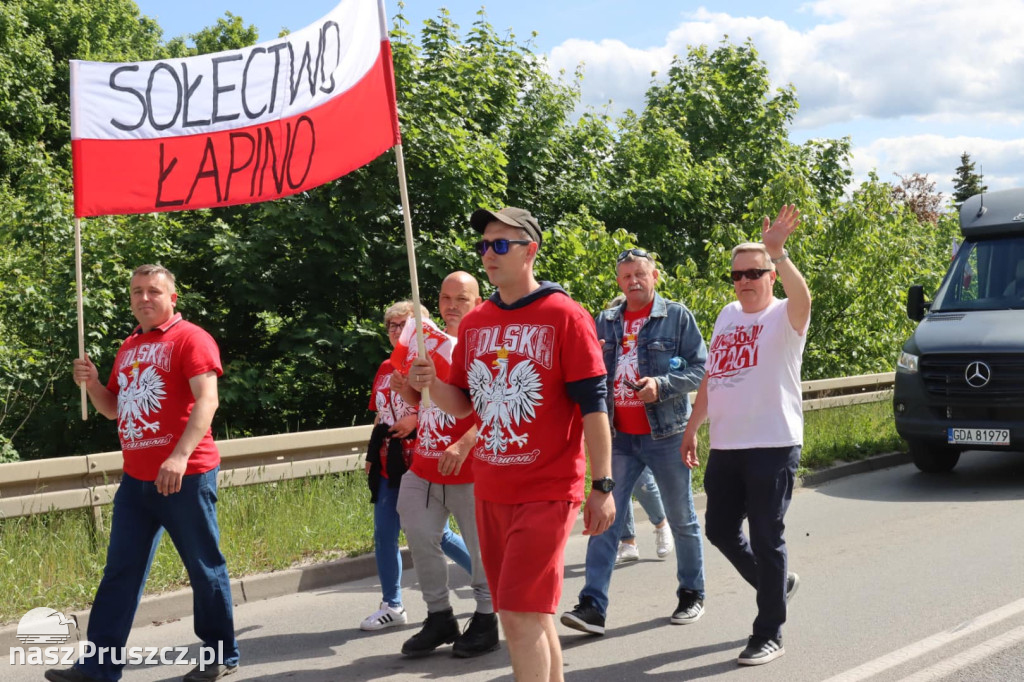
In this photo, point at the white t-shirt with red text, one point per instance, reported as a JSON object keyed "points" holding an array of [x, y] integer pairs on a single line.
{"points": [[753, 375]]}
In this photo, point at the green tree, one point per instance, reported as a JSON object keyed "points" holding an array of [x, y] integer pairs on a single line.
{"points": [[966, 183], [229, 33]]}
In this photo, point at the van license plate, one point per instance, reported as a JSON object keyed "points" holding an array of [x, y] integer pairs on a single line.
{"points": [[979, 436]]}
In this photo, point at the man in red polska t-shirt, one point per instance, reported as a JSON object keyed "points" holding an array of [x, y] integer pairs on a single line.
{"points": [[529, 367], [163, 393]]}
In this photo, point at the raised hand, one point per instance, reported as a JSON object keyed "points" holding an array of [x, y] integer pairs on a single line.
{"points": [[775, 232]]}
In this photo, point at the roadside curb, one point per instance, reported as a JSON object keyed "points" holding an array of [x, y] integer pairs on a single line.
{"points": [[161, 608], [815, 478]]}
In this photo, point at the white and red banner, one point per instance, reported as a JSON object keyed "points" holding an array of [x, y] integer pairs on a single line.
{"points": [[234, 127]]}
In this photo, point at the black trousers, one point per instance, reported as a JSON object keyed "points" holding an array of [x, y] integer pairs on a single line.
{"points": [[757, 485]]}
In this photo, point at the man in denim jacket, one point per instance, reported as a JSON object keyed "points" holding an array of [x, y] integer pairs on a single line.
{"points": [[654, 355]]}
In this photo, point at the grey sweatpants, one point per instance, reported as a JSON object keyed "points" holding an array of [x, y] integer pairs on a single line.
{"points": [[423, 508]]}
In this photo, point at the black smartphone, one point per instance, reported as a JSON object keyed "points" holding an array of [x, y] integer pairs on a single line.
{"points": [[630, 384]]}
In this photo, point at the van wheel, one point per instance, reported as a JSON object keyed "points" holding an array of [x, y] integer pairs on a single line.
{"points": [[933, 458]]}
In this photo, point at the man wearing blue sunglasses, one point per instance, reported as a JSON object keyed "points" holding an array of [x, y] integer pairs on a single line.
{"points": [[529, 365]]}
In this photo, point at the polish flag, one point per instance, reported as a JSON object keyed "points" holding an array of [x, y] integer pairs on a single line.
{"points": [[439, 348], [235, 127]]}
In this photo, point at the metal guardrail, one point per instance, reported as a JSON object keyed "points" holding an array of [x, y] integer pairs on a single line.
{"points": [[89, 481]]}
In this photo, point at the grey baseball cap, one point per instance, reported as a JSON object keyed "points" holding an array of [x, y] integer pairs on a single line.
{"points": [[514, 217]]}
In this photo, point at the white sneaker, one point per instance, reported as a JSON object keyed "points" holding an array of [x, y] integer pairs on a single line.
{"points": [[663, 541], [386, 616], [627, 553]]}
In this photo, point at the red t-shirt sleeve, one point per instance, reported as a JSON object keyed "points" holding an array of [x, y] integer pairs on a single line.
{"points": [[457, 373], [385, 368], [201, 355], [580, 351]]}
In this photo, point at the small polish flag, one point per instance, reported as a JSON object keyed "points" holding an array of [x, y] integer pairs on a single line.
{"points": [[438, 344]]}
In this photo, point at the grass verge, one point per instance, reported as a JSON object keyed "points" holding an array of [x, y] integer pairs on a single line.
{"points": [[56, 559]]}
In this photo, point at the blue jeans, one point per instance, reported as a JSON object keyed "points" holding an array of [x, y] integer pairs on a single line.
{"points": [[630, 454], [756, 484], [141, 514], [646, 491], [386, 525]]}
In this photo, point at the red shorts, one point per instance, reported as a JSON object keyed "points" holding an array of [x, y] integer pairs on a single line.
{"points": [[523, 550]]}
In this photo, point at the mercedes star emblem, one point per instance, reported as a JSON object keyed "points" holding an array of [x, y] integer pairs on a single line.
{"points": [[977, 374]]}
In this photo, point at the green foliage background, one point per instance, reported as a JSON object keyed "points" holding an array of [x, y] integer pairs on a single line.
{"points": [[294, 289]]}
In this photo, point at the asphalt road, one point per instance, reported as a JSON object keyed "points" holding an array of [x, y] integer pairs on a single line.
{"points": [[904, 577]]}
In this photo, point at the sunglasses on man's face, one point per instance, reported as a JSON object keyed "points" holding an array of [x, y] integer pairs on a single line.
{"points": [[639, 253], [500, 246], [751, 274]]}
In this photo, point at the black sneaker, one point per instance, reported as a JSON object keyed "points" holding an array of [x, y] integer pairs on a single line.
{"points": [[207, 673], [439, 628], [761, 650], [68, 675], [586, 617], [690, 609], [792, 585], [479, 637]]}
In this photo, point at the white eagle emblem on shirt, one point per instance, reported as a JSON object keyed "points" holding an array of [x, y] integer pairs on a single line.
{"points": [[626, 368], [434, 420], [139, 394], [504, 400]]}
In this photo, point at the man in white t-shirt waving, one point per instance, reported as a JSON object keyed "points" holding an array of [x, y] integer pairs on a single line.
{"points": [[751, 394]]}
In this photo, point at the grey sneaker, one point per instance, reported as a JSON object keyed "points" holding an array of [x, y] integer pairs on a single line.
{"points": [[761, 650], [792, 585], [690, 609]]}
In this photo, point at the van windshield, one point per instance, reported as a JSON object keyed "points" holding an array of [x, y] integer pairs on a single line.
{"points": [[986, 275]]}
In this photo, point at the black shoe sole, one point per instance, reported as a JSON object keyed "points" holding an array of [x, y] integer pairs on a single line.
{"points": [[420, 653], [573, 621], [473, 653]]}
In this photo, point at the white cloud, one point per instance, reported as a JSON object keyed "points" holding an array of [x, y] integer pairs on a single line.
{"points": [[938, 157], [949, 73], [866, 58]]}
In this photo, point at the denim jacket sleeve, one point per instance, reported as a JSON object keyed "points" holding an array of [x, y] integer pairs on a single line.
{"points": [[690, 347]]}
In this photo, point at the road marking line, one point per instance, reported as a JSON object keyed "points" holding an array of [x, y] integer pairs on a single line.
{"points": [[960, 661], [900, 656]]}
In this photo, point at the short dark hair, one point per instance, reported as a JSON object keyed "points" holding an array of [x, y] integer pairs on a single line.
{"points": [[151, 269]]}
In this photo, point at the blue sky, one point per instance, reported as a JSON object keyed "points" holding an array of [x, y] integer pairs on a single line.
{"points": [[913, 83]]}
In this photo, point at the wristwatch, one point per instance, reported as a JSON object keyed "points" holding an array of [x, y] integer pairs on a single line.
{"points": [[604, 485], [784, 256]]}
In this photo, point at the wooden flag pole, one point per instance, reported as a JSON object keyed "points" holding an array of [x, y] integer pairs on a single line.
{"points": [[81, 311], [411, 252]]}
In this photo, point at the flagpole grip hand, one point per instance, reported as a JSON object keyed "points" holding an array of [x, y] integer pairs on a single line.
{"points": [[421, 376]]}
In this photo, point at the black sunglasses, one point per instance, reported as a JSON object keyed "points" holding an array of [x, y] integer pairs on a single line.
{"points": [[639, 253], [500, 246], [751, 274]]}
